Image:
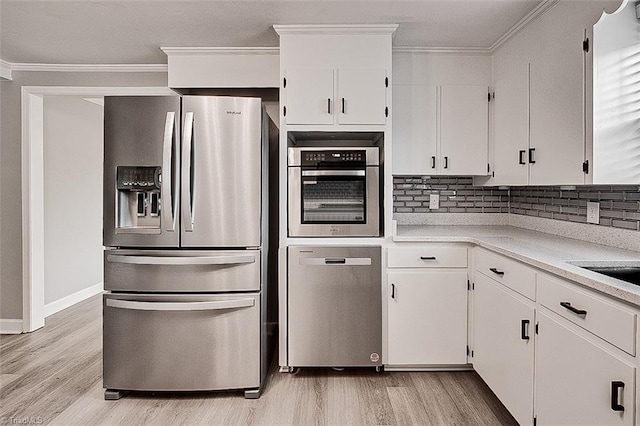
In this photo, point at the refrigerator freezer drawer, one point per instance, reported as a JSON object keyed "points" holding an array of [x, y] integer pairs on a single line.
{"points": [[181, 342], [182, 271]]}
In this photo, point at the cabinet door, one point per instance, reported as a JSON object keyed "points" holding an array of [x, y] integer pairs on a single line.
{"points": [[557, 104], [575, 379], [511, 118], [414, 130], [361, 96], [309, 96], [427, 317], [503, 356], [464, 130]]}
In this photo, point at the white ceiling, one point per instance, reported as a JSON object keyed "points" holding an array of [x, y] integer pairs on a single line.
{"points": [[132, 31]]}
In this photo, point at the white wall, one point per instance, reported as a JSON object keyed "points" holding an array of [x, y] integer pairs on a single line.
{"points": [[72, 196], [10, 165]]}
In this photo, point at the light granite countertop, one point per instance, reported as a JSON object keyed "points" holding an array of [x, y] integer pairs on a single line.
{"points": [[544, 251]]}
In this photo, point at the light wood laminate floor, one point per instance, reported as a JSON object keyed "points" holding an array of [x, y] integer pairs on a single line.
{"points": [[54, 376]]}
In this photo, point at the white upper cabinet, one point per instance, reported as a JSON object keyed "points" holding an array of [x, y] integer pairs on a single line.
{"points": [[511, 118], [335, 76], [362, 96], [440, 130], [464, 130], [557, 102], [309, 96], [414, 130], [542, 91]]}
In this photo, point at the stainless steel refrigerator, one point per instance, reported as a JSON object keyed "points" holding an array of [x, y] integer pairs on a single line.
{"points": [[185, 231]]}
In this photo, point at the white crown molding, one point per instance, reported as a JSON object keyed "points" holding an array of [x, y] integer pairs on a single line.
{"points": [[538, 11], [221, 50], [336, 29], [5, 70], [84, 67], [448, 50]]}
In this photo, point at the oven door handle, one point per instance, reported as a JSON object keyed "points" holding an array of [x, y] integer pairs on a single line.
{"points": [[334, 173], [180, 306]]}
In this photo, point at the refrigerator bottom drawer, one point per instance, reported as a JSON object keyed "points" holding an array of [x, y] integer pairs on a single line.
{"points": [[181, 342]]}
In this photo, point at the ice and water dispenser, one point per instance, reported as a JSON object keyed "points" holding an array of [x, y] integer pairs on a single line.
{"points": [[138, 199]]}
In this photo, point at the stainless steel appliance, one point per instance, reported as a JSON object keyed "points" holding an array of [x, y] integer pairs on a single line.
{"points": [[185, 225], [334, 191], [334, 307]]}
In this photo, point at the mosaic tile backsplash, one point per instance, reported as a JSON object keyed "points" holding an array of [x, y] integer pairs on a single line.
{"points": [[619, 204]]}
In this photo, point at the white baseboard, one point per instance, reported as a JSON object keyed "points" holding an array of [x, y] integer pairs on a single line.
{"points": [[10, 326], [72, 299]]}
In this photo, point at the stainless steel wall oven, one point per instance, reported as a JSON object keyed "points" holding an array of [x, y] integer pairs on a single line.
{"points": [[334, 191]]}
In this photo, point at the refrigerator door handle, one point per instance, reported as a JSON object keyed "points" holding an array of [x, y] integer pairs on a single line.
{"points": [[180, 306], [181, 260], [188, 172], [169, 198]]}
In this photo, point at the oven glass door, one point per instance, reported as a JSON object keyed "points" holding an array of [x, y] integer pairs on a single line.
{"points": [[334, 196]]}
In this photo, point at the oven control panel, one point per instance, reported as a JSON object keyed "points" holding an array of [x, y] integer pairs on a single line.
{"points": [[310, 158]]}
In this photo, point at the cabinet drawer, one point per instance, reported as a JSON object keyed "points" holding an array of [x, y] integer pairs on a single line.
{"points": [[511, 273], [427, 256], [607, 320]]}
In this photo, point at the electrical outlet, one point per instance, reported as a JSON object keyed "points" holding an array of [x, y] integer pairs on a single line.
{"points": [[434, 201], [593, 212]]}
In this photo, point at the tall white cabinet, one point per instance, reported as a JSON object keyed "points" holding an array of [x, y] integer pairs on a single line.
{"points": [[333, 79]]}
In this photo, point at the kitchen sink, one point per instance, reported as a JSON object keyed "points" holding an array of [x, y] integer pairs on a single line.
{"points": [[630, 274]]}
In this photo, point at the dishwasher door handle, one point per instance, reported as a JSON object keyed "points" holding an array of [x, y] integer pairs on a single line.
{"points": [[180, 306], [335, 261]]}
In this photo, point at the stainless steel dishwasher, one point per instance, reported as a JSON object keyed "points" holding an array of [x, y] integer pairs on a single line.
{"points": [[335, 307]]}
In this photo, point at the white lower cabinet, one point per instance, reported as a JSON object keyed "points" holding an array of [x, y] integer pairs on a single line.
{"points": [[427, 317], [579, 382], [503, 346], [426, 306], [553, 352]]}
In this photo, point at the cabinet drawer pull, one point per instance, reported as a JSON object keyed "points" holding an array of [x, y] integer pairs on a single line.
{"points": [[495, 271], [531, 160], [446, 162], [393, 291], [433, 162], [524, 328], [567, 305], [427, 257], [521, 156], [615, 387], [343, 105], [328, 105]]}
